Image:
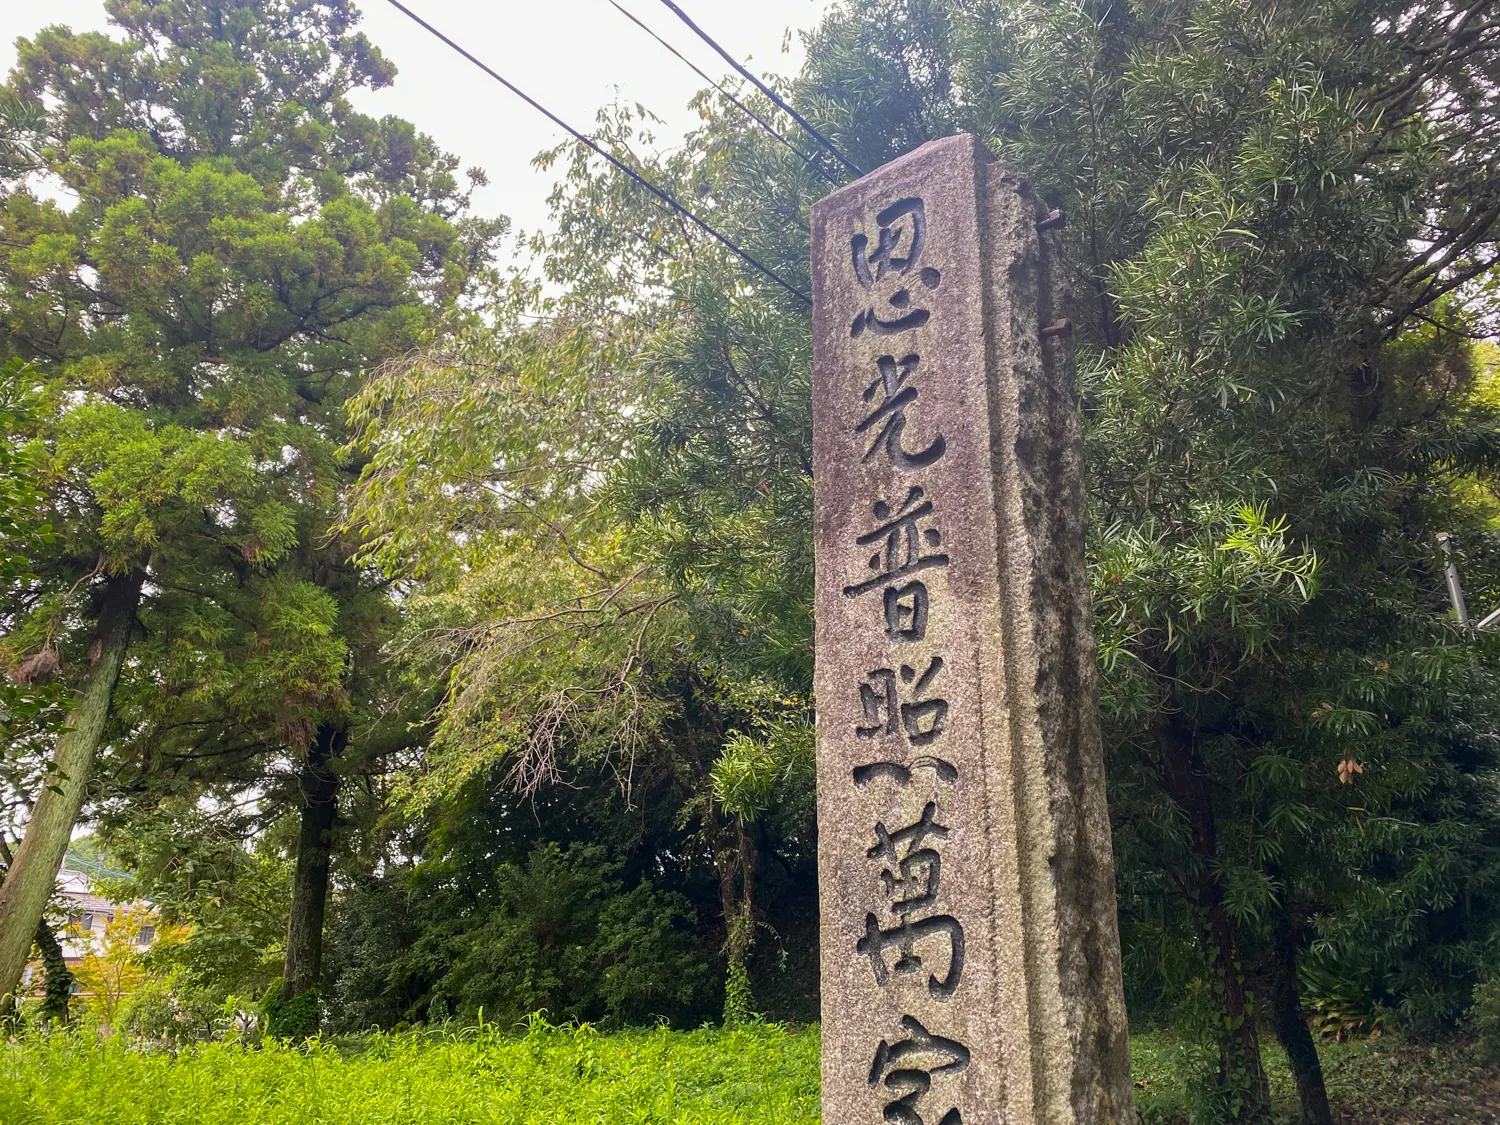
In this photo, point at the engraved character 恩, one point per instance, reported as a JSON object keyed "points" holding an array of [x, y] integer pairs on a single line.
{"points": [[897, 393], [898, 248]]}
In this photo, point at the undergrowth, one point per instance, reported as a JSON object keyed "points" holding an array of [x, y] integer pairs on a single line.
{"points": [[754, 1073]]}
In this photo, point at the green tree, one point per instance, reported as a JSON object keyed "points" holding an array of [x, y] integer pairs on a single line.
{"points": [[1274, 217], [243, 247], [1278, 221]]}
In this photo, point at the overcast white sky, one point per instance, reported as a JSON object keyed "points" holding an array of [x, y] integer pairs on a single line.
{"points": [[571, 55]]}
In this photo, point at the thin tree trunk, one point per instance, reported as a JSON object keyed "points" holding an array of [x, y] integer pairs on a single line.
{"points": [[734, 862], [737, 894], [1186, 778], [1291, 1024], [319, 784], [57, 978], [28, 883]]}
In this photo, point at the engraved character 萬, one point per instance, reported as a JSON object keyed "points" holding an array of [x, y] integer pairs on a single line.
{"points": [[912, 876]]}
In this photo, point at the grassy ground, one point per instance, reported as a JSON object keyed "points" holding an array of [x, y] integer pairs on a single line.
{"points": [[1398, 1084], [1370, 1082], [752, 1076], [551, 1077]]}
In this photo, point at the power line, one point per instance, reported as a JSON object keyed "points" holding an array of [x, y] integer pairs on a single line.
{"points": [[757, 118], [616, 161], [764, 89]]}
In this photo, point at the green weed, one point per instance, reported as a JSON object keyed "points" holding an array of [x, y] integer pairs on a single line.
{"points": [[562, 1076]]}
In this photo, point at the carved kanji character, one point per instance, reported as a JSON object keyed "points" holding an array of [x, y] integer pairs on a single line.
{"points": [[901, 553], [922, 720], [896, 395], [903, 227], [906, 1068]]}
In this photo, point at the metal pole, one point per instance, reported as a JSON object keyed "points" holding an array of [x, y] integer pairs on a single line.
{"points": [[1455, 587]]}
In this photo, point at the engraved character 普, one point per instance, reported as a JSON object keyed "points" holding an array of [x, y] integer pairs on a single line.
{"points": [[898, 248], [911, 878], [907, 1066], [896, 395], [901, 552]]}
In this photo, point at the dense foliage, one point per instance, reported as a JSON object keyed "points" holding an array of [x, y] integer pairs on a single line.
{"points": [[511, 606]]}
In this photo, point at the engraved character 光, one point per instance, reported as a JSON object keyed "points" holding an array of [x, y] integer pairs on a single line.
{"points": [[896, 395]]}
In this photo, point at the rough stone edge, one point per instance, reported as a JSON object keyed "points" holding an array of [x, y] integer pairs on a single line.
{"points": [[1075, 989]]}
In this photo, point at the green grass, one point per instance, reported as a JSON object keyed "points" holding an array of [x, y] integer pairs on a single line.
{"points": [[555, 1076], [755, 1075]]}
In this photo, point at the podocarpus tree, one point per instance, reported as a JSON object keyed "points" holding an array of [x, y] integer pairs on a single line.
{"points": [[1273, 215], [241, 246], [1271, 209]]}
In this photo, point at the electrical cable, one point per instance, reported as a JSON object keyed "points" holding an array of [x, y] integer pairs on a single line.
{"points": [[757, 118], [616, 161], [764, 89]]}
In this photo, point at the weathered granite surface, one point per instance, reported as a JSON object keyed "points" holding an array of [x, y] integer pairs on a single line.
{"points": [[970, 953]]}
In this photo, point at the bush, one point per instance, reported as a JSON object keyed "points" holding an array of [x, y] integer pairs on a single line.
{"points": [[167, 1013], [1484, 1018], [296, 1017], [564, 931]]}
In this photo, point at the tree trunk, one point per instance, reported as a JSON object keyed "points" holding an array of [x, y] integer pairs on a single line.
{"points": [[1186, 777], [1291, 1024], [28, 883], [734, 862], [57, 978], [737, 894], [319, 786]]}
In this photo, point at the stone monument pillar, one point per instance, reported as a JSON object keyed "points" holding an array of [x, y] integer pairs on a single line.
{"points": [[970, 950]]}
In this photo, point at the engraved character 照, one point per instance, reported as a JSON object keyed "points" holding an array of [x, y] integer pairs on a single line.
{"points": [[922, 720]]}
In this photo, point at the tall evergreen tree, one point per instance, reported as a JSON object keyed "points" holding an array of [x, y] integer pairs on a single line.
{"points": [[242, 247]]}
